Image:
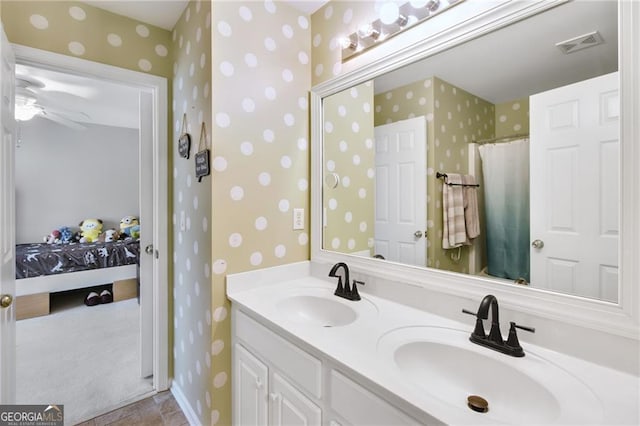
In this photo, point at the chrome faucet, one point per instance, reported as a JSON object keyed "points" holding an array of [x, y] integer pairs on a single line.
{"points": [[494, 339], [346, 291]]}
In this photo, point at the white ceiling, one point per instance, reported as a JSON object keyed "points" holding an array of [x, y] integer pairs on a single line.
{"points": [[526, 61]]}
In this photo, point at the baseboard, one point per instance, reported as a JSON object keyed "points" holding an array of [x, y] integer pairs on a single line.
{"points": [[188, 411]]}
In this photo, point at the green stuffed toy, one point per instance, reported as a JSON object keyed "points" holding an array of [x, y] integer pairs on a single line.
{"points": [[90, 230]]}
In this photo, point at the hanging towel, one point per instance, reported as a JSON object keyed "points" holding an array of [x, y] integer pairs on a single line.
{"points": [[454, 233], [471, 217]]}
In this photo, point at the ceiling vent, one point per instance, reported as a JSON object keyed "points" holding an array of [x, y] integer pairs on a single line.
{"points": [[581, 42]]}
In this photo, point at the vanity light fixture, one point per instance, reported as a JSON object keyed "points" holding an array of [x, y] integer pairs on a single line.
{"points": [[393, 20]]}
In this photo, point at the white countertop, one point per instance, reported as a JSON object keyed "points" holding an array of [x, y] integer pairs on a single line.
{"points": [[607, 396]]}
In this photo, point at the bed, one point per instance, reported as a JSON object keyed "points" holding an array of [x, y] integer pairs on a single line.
{"points": [[47, 268]]}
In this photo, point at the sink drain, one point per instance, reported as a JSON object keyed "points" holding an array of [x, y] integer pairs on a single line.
{"points": [[478, 403]]}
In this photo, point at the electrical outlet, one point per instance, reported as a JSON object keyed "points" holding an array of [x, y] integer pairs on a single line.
{"points": [[298, 219]]}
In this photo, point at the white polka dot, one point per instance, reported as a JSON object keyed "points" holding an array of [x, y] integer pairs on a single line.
{"points": [[354, 92], [356, 160], [348, 16], [142, 30], [198, 34], [76, 48], [516, 106], [215, 417], [362, 193], [261, 223], [302, 144], [270, 44], [188, 48], [235, 240], [337, 68], [317, 40], [348, 217], [251, 60], [363, 226], [286, 162], [264, 178], [333, 204], [236, 193], [328, 126], [248, 105], [319, 70], [217, 346], [268, 135], [280, 251], [203, 60], [270, 93], [114, 40], [245, 13], [283, 206], [224, 29], [256, 258], [161, 50], [287, 75], [287, 31], [343, 146], [303, 184], [351, 244], [303, 239], [77, 13], [195, 206], [194, 93], [144, 65], [289, 120], [219, 164], [303, 58], [223, 120], [192, 69], [39, 22], [205, 224], [335, 243], [331, 165], [246, 148], [303, 22], [303, 103], [220, 380], [355, 127], [226, 68], [502, 118]]}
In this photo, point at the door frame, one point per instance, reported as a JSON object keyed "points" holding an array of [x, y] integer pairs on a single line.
{"points": [[157, 86]]}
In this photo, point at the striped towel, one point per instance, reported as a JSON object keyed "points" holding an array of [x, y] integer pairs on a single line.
{"points": [[471, 217], [454, 233]]}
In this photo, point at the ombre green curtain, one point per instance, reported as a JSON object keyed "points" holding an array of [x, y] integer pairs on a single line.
{"points": [[505, 167]]}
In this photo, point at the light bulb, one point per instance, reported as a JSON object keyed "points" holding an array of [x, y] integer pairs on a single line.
{"points": [[348, 43], [417, 4], [389, 13]]}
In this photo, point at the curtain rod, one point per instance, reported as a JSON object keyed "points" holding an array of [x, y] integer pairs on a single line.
{"points": [[502, 138]]}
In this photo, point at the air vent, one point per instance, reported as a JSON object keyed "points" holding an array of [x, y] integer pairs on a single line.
{"points": [[581, 42]]}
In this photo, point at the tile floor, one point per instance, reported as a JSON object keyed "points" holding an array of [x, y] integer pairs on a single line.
{"points": [[160, 409]]}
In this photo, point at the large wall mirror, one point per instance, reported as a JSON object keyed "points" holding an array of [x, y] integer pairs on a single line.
{"points": [[497, 158]]}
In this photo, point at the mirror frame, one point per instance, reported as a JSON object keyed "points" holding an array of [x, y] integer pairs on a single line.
{"points": [[476, 18]]}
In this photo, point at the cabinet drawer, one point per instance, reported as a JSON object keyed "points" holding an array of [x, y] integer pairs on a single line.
{"points": [[358, 406], [301, 368]]}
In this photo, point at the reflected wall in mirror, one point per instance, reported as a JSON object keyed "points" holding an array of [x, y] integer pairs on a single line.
{"points": [[530, 113]]}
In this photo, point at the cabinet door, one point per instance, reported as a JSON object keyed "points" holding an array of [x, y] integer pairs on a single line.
{"points": [[250, 389], [290, 407]]}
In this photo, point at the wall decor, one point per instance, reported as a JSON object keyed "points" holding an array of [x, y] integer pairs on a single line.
{"points": [[202, 156], [184, 141]]}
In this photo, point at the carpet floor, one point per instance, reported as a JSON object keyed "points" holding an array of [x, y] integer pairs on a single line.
{"points": [[86, 358]]}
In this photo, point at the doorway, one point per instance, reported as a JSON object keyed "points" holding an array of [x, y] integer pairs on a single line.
{"points": [[153, 211]]}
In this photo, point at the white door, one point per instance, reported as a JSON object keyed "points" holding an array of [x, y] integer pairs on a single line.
{"points": [[290, 407], [250, 407], [575, 188], [7, 226], [401, 191], [148, 258]]}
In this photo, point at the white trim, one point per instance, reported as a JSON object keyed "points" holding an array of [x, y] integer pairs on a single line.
{"points": [[158, 87], [621, 319], [186, 408]]}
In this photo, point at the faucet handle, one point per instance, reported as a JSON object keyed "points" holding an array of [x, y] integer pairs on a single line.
{"points": [[513, 341], [478, 332], [354, 295]]}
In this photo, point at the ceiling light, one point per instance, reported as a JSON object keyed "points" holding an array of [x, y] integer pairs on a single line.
{"points": [[367, 30], [389, 13]]}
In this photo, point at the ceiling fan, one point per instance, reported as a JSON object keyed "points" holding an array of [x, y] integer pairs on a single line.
{"points": [[32, 100]]}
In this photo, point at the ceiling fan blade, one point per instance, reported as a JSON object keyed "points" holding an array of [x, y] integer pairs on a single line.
{"points": [[62, 120], [70, 115]]}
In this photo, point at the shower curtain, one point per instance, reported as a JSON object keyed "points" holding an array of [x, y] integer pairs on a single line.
{"points": [[505, 167]]}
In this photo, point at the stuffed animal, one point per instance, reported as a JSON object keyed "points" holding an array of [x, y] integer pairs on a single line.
{"points": [[130, 227], [66, 235], [109, 235], [53, 237], [90, 229]]}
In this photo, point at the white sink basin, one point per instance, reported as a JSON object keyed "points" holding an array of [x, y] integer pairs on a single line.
{"points": [[446, 365], [315, 306]]}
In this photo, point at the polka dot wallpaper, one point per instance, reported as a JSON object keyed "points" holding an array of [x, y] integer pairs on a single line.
{"points": [[77, 29], [454, 118], [512, 117], [349, 154], [261, 78], [193, 318]]}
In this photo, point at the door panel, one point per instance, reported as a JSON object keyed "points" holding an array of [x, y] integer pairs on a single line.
{"points": [[7, 223], [575, 188]]}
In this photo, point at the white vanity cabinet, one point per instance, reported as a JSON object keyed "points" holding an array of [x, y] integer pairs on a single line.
{"points": [[275, 382]]}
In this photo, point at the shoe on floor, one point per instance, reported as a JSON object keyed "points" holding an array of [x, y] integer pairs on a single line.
{"points": [[92, 299], [106, 296]]}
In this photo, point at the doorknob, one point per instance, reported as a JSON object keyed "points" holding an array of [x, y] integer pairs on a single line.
{"points": [[6, 300], [537, 244], [418, 234], [149, 249]]}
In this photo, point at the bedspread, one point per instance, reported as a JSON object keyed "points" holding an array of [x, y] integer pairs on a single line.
{"points": [[38, 259]]}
